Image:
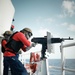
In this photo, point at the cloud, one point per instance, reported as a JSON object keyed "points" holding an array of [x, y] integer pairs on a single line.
{"points": [[43, 21], [64, 24], [49, 20], [61, 16], [68, 8], [43, 31], [70, 27]]}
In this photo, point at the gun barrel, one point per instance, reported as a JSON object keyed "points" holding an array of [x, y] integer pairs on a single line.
{"points": [[43, 40], [67, 38]]}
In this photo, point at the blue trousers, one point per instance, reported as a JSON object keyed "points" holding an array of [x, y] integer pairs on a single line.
{"points": [[16, 66], [6, 67]]}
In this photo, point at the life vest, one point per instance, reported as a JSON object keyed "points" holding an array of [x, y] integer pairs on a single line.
{"points": [[13, 44], [37, 57], [33, 59], [33, 67]]}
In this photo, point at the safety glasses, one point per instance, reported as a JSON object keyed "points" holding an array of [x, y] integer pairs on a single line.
{"points": [[30, 34]]}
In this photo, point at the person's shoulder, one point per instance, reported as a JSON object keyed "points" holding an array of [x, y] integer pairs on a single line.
{"points": [[17, 32], [3, 40], [20, 33]]}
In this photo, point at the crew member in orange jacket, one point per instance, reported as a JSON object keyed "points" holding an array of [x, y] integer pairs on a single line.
{"points": [[19, 40], [6, 35]]}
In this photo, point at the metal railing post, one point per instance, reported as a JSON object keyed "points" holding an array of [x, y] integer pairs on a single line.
{"points": [[62, 60]]}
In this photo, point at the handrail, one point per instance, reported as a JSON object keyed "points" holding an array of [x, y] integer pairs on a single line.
{"points": [[62, 68], [59, 68], [68, 45]]}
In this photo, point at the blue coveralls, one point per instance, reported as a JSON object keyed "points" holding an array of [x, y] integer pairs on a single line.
{"points": [[17, 68], [7, 65]]}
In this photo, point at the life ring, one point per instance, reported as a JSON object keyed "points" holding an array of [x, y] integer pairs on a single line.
{"points": [[37, 57], [34, 57], [33, 67]]}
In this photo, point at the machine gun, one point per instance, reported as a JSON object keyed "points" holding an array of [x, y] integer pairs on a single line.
{"points": [[44, 40]]}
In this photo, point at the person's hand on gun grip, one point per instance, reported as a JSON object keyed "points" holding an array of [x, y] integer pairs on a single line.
{"points": [[33, 44]]}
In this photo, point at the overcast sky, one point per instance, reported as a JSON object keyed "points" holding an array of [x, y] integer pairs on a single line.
{"points": [[55, 16]]}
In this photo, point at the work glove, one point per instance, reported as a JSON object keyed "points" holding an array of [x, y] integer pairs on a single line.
{"points": [[19, 52], [33, 44]]}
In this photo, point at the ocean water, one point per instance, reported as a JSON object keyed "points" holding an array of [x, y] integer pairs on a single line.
{"points": [[69, 63]]}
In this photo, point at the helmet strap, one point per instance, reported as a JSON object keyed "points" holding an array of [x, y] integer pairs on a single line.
{"points": [[27, 36]]}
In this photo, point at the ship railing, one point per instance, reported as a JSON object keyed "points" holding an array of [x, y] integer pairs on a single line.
{"points": [[59, 68], [63, 68]]}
